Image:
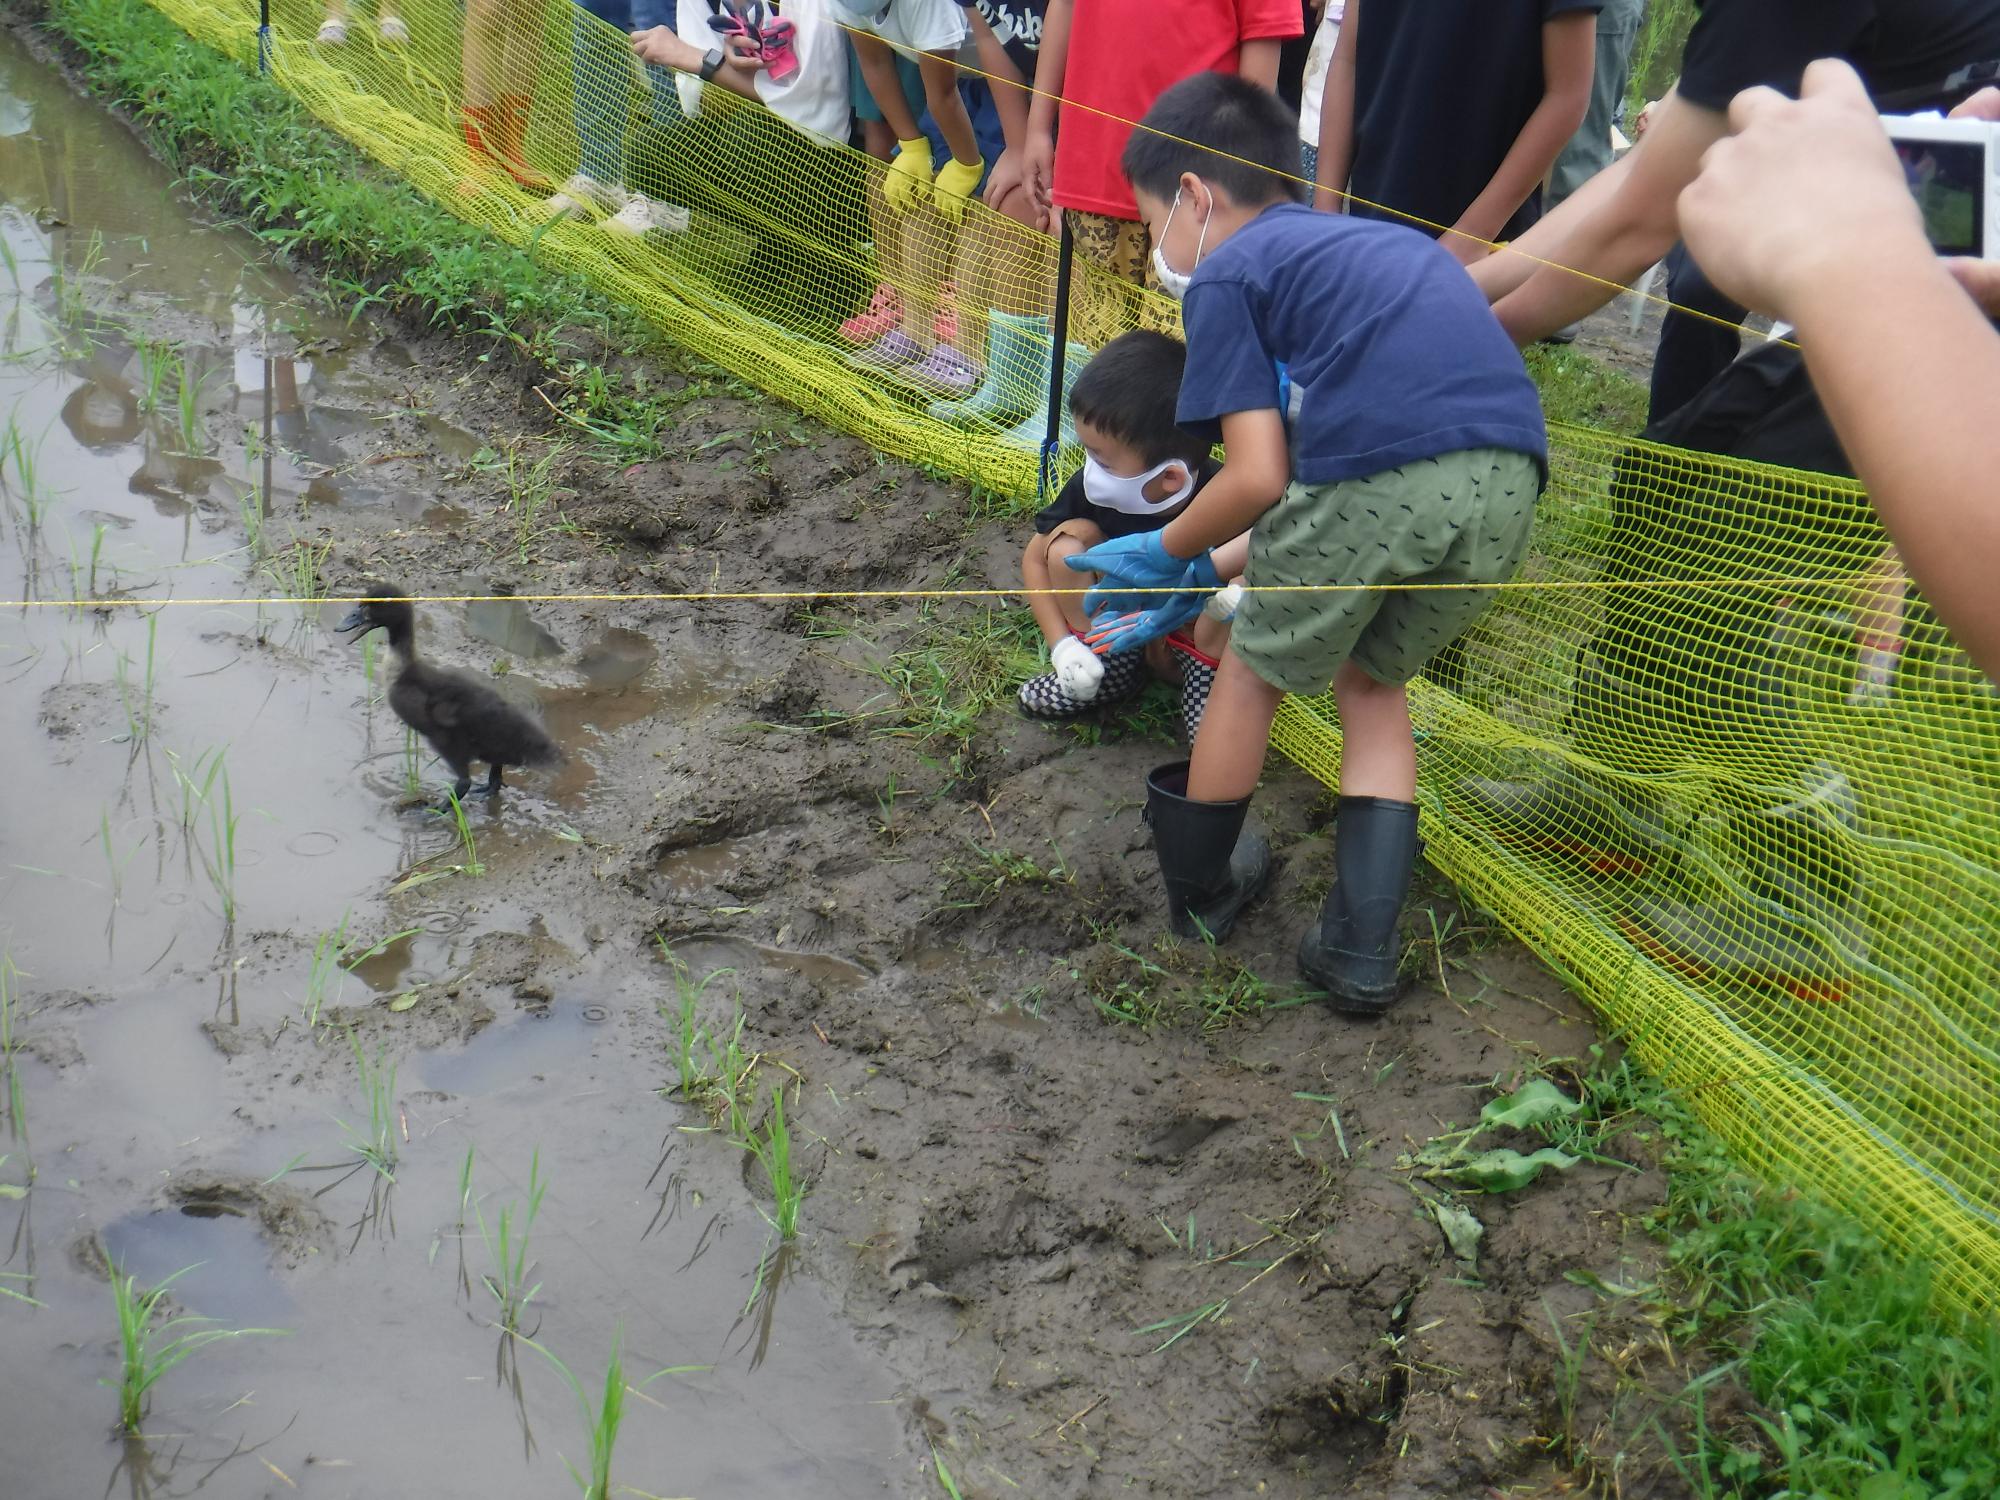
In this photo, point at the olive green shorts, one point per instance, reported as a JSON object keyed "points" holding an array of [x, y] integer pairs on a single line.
{"points": [[1459, 518]]}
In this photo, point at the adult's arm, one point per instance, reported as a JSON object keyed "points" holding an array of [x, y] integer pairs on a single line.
{"points": [[1804, 213], [1621, 222], [1336, 116], [1569, 60]]}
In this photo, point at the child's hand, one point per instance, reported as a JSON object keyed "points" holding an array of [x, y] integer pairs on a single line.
{"points": [[955, 181], [1078, 671], [909, 180], [1038, 169]]}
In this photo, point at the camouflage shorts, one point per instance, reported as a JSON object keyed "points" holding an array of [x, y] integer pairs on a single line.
{"points": [[1114, 289]]}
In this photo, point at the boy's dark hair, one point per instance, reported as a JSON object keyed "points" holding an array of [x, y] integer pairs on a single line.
{"points": [[1129, 392], [1226, 130]]}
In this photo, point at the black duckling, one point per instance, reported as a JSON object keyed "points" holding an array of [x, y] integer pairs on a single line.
{"points": [[463, 719]]}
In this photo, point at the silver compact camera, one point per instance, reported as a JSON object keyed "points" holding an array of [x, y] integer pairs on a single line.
{"points": [[1953, 168]]}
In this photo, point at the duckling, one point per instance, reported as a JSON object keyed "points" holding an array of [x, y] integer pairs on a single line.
{"points": [[463, 718]]}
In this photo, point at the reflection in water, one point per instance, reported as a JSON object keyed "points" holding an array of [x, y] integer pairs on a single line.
{"points": [[507, 624]]}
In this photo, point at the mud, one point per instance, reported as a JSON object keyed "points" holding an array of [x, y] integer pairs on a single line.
{"points": [[1016, 1202]]}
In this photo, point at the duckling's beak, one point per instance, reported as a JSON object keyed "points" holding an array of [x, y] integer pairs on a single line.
{"points": [[356, 619]]}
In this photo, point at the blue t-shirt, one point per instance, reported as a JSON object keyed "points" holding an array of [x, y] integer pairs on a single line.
{"points": [[1391, 352]]}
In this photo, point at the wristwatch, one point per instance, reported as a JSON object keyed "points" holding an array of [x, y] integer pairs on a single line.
{"points": [[711, 64]]}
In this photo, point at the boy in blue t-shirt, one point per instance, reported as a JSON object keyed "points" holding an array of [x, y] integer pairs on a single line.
{"points": [[1407, 448]]}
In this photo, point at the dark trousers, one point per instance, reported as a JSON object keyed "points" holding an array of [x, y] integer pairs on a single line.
{"points": [[1693, 350]]}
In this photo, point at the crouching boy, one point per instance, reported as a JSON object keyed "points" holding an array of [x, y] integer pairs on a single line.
{"points": [[1405, 451]]}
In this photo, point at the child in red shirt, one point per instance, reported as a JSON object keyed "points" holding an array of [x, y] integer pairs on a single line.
{"points": [[1128, 53]]}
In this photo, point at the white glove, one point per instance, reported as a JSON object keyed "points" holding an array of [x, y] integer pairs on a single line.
{"points": [[1077, 668]]}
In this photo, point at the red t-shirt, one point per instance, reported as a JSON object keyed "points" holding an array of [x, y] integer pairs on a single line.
{"points": [[1124, 54]]}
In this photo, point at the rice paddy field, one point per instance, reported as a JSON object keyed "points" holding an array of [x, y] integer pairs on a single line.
{"points": [[790, 1094]]}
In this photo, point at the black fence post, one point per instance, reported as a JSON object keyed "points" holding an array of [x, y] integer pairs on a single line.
{"points": [[1045, 477], [263, 36]]}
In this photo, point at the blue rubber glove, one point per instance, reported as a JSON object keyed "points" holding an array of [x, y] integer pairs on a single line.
{"points": [[1112, 633], [1139, 561]]}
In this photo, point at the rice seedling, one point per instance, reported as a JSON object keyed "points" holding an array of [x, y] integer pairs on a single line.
{"points": [[150, 1346], [13, 1294], [26, 458], [334, 957], [10, 1043], [11, 266], [602, 1419], [413, 788], [251, 508], [294, 570], [470, 864], [773, 1150], [506, 1243], [159, 367], [220, 857], [376, 1147], [139, 714], [187, 413], [688, 1033], [113, 860]]}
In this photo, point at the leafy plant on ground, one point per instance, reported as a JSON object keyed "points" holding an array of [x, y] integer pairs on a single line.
{"points": [[150, 1345], [1176, 982]]}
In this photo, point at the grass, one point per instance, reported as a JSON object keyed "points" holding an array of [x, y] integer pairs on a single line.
{"points": [[531, 489], [469, 865], [1176, 983], [506, 1242], [24, 457], [151, 1345], [1860, 1382], [1656, 52]]}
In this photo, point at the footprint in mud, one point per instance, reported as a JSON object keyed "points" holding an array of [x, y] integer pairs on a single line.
{"points": [[706, 952], [228, 1232]]}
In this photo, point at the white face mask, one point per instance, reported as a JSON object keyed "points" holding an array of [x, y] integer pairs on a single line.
{"points": [[1175, 283], [1117, 492]]}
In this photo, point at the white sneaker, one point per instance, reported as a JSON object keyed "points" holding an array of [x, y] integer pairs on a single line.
{"points": [[582, 197], [392, 30], [642, 215], [333, 32]]}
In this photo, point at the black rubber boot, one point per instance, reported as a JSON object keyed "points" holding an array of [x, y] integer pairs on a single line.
{"points": [[1352, 952], [1211, 868]]}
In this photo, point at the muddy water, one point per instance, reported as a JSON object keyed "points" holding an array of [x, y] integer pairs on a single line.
{"points": [[196, 796]]}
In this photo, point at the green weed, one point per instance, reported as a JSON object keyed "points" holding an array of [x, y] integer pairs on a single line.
{"points": [[150, 1346], [531, 489]]}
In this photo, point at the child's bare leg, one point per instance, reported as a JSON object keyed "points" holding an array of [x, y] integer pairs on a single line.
{"points": [[1378, 754], [1235, 733], [1042, 567], [947, 108]]}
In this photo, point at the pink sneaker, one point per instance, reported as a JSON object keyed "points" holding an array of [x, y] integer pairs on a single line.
{"points": [[885, 314]]}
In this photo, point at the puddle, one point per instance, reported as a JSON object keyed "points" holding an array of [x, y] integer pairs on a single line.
{"points": [[506, 623], [513, 1053], [230, 1276], [701, 868], [705, 952]]}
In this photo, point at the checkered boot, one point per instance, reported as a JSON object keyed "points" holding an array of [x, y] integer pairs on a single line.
{"points": [[1043, 697], [1197, 677]]}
